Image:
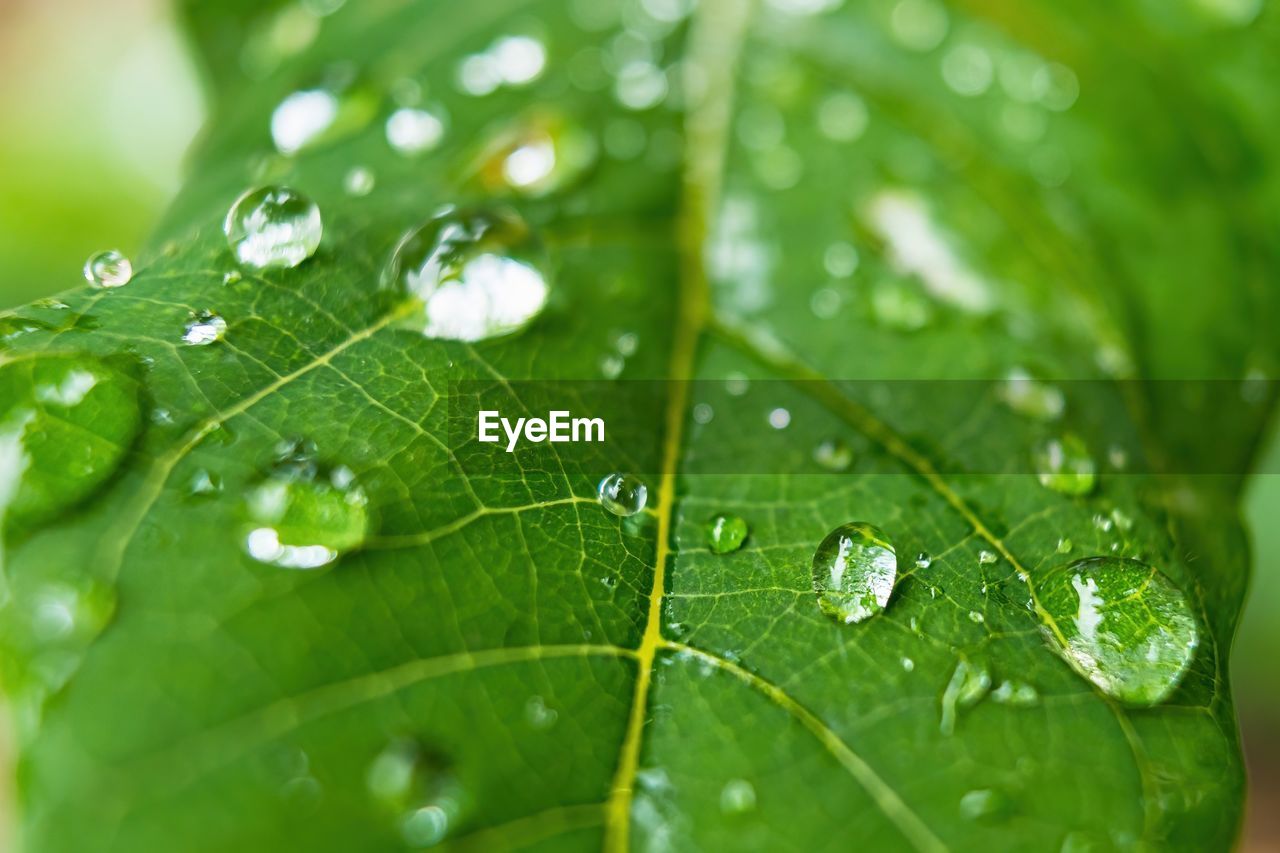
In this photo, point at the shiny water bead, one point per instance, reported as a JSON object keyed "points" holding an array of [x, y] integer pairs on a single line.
{"points": [[541, 153], [331, 110], [622, 494], [304, 514], [984, 804], [477, 274], [108, 269], [359, 181], [1064, 465], [1032, 397], [1122, 624], [833, 454], [204, 328], [412, 131], [273, 227], [726, 533], [969, 684], [854, 569], [66, 422]]}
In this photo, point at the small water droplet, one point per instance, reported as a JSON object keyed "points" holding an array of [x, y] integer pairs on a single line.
{"points": [[478, 275], [622, 494], [1016, 693], [1122, 520], [984, 805], [108, 269], [273, 227], [986, 558], [1103, 522], [415, 130], [301, 118], [779, 418], [969, 683], [908, 664], [1065, 466], [1032, 397], [232, 277], [1064, 546], [833, 454], [543, 152], [203, 329], [703, 413], [305, 514], [1122, 624], [923, 560], [976, 617], [204, 483], [854, 569], [538, 715], [51, 405], [738, 796], [359, 181], [611, 366], [726, 533]]}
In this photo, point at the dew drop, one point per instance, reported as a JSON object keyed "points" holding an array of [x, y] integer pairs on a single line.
{"points": [[969, 683], [738, 796], [726, 533], [854, 569], [1064, 546], [703, 413], [541, 153], [1031, 397], [908, 665], [779, 418], [301, 118], [204, 483], [622, 494], [986, 558], [204, 328], [409, 781], [48, 405], [108, 269], [833, 454], [478, 275], [273, 227], [414, 130], [984, 805], [1065, 466], [1016, 693], [304, 514], [923, 560], [359, 181], [1122, 624], [538, 715]]}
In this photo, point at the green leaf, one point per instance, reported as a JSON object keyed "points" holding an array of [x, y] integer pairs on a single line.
{"points": [[821, 231]]}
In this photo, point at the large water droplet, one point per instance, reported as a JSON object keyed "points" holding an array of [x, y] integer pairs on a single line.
{"points": [[1122, 624], [1064, 465], [273, 227], [541, 153], [478, 274], [726, 533], [108, 269], [66, 421], [305, 514], [622, 494], [854, 569], [204, 328]]}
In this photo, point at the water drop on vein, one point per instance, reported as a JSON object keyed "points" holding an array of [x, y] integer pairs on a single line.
{"points": [[726, 533], [273, 227], [304, 514], [204, 328], [108, 269], [478, 274], [923, 560], [854, 569], [1122, 624], [622, 494]]}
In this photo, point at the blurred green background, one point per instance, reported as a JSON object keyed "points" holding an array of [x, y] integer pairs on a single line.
{"points": [[100, 101]]}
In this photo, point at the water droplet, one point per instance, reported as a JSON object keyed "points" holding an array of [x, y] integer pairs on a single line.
{"points": [[833, 454], [976, 617], [419, 786], [854, 569], [1065, 466], [984, 804], [359, 181], [779, 418], [923, 560], [1123, 521], [726, 533], [231, 278], [203, 329], [1064, 546], [108, 269], [538, 715], [738, 796], [413, 130], [66, 422], [703, 413], [986, 558], [1122, 624], [204, 483], [1102, 522], [478, 274], [518, 59], [908, 665], [543, 152], [1031, 397], [309, 116], [968, 685], [1016, 693], [273, 227], [304, 514], [622, 494]]}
